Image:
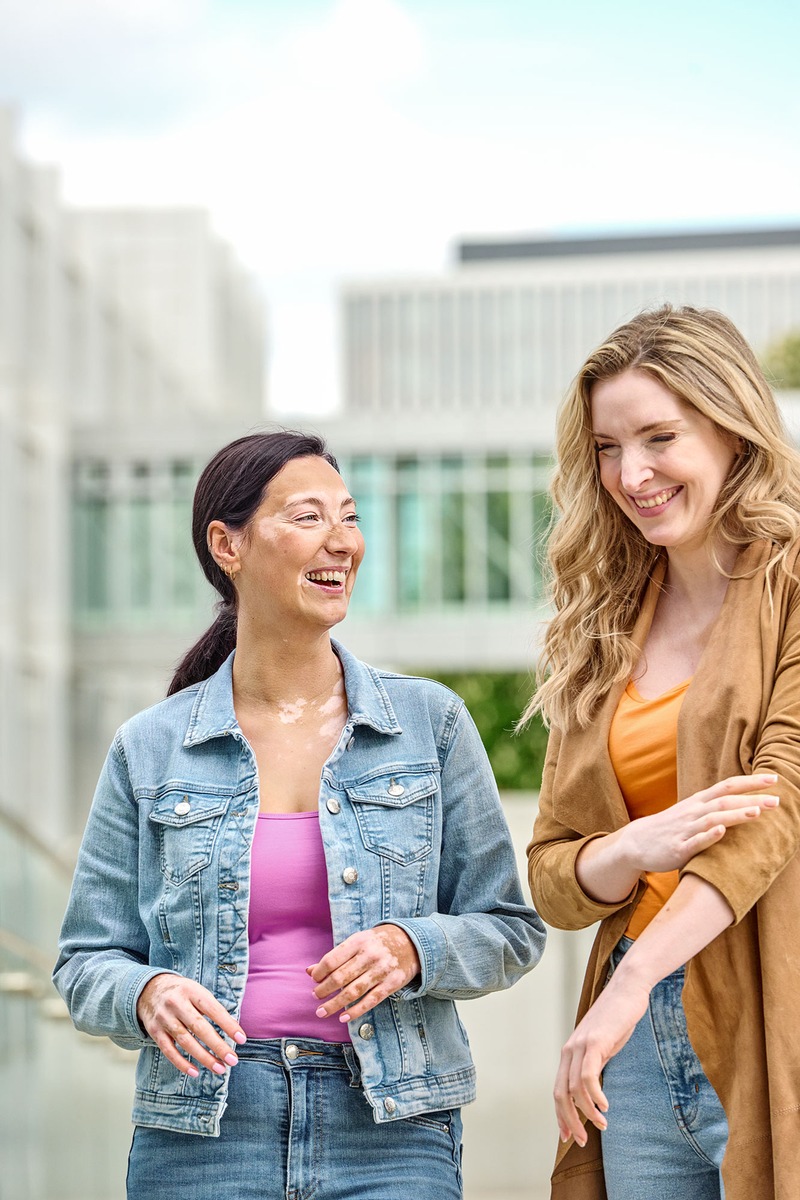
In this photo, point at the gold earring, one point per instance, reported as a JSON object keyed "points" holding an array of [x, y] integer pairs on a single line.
{"points": [[229, 571]]}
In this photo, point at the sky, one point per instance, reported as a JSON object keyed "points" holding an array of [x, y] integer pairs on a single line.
{"points": [[335, 140]]}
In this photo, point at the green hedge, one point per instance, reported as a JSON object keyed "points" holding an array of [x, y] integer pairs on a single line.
{"points": [[495, 702]]}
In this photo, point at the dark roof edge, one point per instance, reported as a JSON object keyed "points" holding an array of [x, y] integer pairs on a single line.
{"points": [[497, 250]]}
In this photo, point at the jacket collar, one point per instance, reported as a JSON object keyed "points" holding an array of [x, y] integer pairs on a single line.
{"points": [[368, 702]]}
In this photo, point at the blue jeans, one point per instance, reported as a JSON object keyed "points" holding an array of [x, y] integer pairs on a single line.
{"points": [[298, 1125], [667, 1130]]}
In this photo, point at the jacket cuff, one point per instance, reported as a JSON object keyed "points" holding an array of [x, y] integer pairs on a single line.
{"points": [[139, 978], [431, 944], [560, 900]]}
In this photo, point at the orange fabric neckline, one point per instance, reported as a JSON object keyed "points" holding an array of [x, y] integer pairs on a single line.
{"points": [[634, 693]]}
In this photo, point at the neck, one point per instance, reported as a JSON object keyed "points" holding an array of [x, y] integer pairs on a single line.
{"points": [[693, 575], [270, 673]]}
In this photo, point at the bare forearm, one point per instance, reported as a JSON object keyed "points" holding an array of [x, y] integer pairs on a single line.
{"points": [[693, 916], [604, 869]]}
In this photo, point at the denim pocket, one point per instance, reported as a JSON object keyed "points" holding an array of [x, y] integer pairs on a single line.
{"points": [[395, 815], [188, 824], [440, 1120]]}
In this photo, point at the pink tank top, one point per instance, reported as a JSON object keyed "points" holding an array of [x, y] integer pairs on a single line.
{"points": [[289, 929]]}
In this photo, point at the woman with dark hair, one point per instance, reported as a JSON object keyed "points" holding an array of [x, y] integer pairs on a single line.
{"points": [[670, 803], [292, 868]]}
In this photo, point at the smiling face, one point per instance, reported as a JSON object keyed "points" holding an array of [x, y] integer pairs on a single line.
{"points": [[660, 460], [298, 557]]}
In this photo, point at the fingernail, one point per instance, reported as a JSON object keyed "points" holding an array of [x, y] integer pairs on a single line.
{"points": [[344, 1018], [231, 1059], [772, 799], [193, 1071], [218, 1068], [240, 1038], [771, 778], [321, 1012]]}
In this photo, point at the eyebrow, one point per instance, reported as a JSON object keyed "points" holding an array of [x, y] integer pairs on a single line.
{"points": [[647, 428], [316, 500]]}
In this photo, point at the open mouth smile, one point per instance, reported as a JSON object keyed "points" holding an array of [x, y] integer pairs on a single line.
{"points": [[328, 581], [654, 505]]}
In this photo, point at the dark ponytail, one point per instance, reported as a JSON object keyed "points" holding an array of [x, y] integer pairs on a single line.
{"points": [[231, 489]]}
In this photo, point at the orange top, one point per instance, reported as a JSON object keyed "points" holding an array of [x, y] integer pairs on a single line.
{"points": [[643, 746]]}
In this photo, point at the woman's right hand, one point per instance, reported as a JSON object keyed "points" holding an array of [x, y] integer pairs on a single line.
{"points": [[667, 840], [610, 866], [177, 1013]]}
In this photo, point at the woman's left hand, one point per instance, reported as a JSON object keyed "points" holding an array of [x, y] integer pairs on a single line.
{"points": [[600, 1035], [363, 970]]}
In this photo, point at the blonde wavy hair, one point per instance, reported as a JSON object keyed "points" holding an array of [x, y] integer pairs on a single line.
{"points": [[599, 562]]}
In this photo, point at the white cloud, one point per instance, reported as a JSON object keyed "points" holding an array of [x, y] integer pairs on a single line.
{"points": [[360, 44]]}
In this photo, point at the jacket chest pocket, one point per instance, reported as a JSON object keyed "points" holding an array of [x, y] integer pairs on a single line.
{"points": [[187, 825], [396, 815]]}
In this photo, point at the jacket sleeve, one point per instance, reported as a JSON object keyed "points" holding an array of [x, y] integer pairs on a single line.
{"points": [[104, 949], [483, 937], [750, 857], [552, 854]]}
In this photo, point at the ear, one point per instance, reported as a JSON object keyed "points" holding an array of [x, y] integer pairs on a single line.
{"points": [[224, 550]]}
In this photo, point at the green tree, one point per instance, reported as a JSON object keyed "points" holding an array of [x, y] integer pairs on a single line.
{"points": [[495, 701], [782, 361]]}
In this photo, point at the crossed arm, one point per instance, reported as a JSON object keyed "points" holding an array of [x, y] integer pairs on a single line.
{"points": [[607, 869]]}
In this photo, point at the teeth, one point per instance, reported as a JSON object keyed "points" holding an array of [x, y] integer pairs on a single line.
{"points": [[661, 498], [327, 576]]}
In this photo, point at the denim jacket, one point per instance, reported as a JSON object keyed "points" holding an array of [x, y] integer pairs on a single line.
{"points": [[413, 833]]}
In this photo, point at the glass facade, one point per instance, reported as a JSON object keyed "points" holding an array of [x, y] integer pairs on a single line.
{"points": [[134, 561], [64, 1098], [442, 531]]}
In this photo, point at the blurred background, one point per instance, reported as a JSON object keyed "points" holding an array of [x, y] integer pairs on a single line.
{"points": [[402, 225]]}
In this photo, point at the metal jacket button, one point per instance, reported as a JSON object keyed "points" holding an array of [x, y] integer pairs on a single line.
{"points": [[292, 1051], [350, 875], [390, 1105], [395, 789], [351, 743], [366, 1031], [183, 807], [333, 805]]}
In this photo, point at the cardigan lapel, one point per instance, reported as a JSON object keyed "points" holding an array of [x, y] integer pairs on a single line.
{"points": [[586, 795], [725, 696]]}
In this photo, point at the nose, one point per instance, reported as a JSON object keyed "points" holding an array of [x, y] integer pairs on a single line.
{"points": [[635, 471], [342, 538]]}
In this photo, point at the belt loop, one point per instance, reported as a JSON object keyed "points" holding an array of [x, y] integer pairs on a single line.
{"points": [[354, 1066]]}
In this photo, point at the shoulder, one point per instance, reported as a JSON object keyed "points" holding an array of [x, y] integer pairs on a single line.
{"points": [[418, 687], [168, 718]]}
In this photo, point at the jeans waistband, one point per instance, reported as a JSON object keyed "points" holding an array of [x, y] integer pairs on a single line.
{"points": [[296, 1053]]}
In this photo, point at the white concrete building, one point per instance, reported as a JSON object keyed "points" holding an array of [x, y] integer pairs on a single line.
{"points": [[189, 296], [87, 314], [506, 330]]}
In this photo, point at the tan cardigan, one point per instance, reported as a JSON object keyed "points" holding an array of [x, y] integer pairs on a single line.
{"points": [[741, 714]]}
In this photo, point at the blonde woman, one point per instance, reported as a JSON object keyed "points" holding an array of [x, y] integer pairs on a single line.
{"points": [[670, 809]]}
